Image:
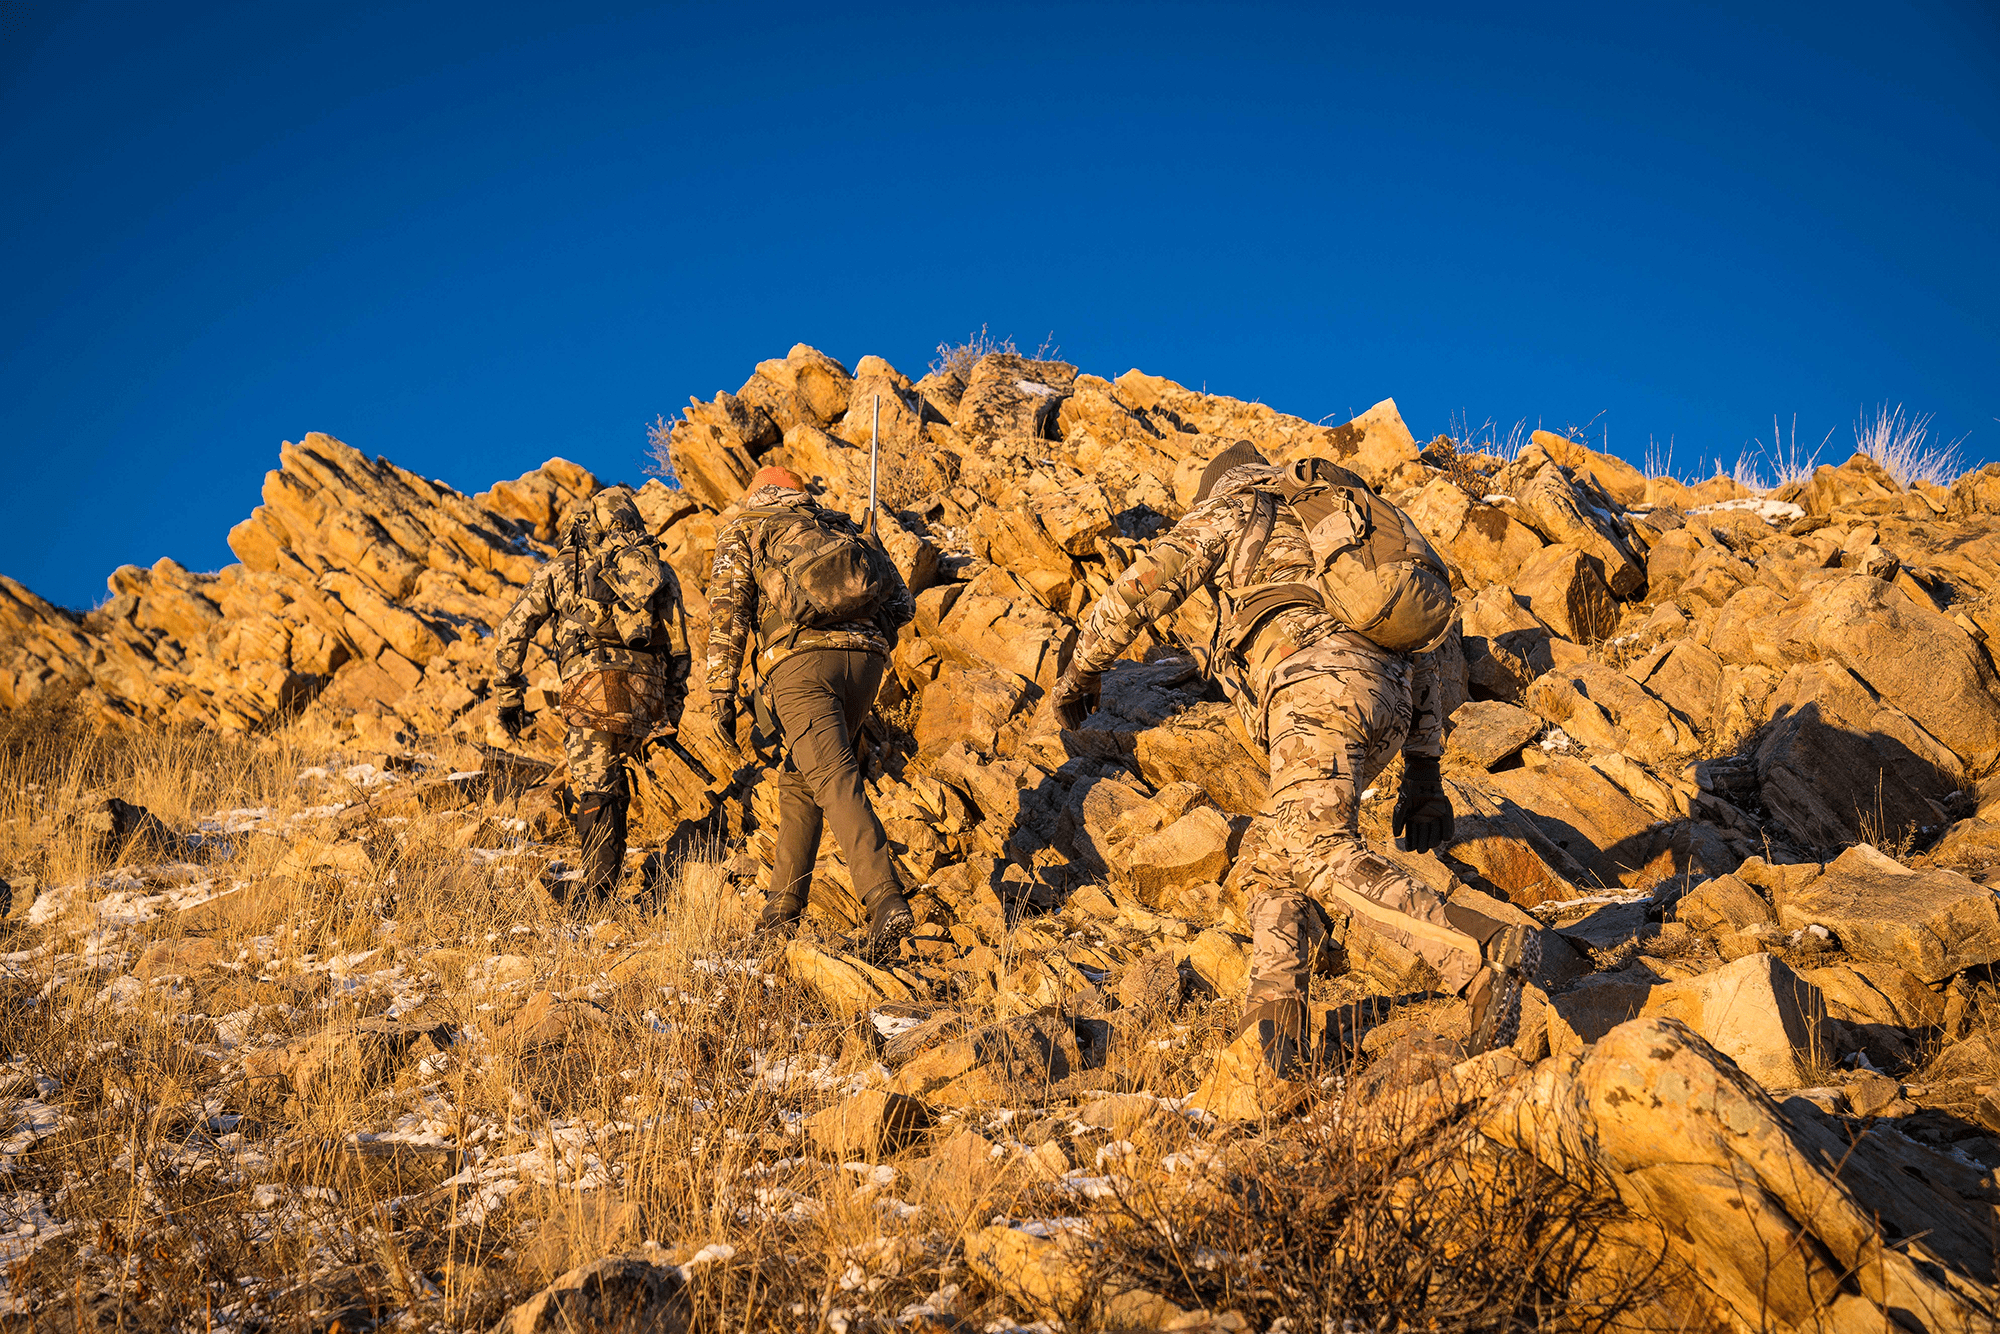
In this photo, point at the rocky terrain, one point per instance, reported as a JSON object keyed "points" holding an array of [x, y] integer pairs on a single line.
{"points": [[295, 1038]]}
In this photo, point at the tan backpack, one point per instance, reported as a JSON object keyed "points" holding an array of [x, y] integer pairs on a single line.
{"points": [[1376, 574]]}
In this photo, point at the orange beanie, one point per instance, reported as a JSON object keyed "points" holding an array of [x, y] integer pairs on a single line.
{"points": [[773, 475]]}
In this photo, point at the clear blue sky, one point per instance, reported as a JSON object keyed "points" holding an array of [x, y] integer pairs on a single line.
{"points": [[471, 237]]}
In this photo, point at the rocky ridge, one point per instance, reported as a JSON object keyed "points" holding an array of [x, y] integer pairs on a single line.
{"points": [[1734, 753]]}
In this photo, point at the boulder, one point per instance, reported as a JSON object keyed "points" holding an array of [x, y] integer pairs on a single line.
{"points": [[1506, 645], [1687, 678], [1042, 1272], [1482, 542], [1690, 1143], [869, 1125], [1837, 763], [1191, 850], [1485, 733], [967, 704], [1566, 591], [1933, 923], [1614, 476], [1013, 397], [618, 1294], [844, 985], [1757, 1012], [1570, 516], [1608, 709]]}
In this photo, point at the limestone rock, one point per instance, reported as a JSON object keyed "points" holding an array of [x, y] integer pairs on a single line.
{"points": [[1485, 733], [1934, 923], [1607, 709], [1694, 1145], [1565, 589], [869, 1125], [1570, 516], [1040, 1271], [618, 1294], [1481, 541], [1617, 478], [1757, 1012], [1187, 852]]}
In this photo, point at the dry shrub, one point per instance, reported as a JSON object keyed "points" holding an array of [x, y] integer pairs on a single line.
{"points": [[1381, 1214]]}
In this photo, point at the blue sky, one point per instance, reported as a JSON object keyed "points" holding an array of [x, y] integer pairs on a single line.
{"points": [[472, 237]]}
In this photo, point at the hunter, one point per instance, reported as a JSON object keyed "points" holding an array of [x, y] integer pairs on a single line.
{"points": [[1327, 597], [622, 652], [822, 602]]}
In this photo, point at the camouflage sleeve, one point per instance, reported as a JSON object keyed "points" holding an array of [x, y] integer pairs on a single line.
{"points": [[1426, 709], [732, 602], [1158, 582], [516, 631]]}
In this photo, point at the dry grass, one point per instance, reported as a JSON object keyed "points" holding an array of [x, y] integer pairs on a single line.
{"points": [[1901, 444], [398, 1089]]}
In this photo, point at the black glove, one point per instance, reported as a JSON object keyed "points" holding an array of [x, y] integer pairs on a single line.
{"points": [[1422, 806], [1075, 697], [513, 720], [725, 720]]}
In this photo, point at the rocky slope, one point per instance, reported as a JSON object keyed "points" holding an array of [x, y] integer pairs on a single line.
{"points": [[1733, 752]]}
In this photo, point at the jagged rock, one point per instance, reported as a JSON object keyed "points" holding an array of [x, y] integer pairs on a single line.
{"points": [[1566, 591], [618, 1294], [1038, 1270], [1687, 678], [1607, 709], [1618, 479], [1838, 762], [1192, 849], [1695, 1146], [869, 1125], [846, 985], [967, 702], [164, 958], [1757, 1012], [1934, 923], [1569, 516], [1481, 541], [1506, 646]]}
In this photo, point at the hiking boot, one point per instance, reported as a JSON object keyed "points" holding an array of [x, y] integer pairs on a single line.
{"points": [[601, 827], [780, 919], [1513, 956], [889, 922], [1282, 1033]]}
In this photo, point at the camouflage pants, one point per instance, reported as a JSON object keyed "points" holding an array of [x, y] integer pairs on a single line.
{"points": [[1331, 734], [597, 760]]}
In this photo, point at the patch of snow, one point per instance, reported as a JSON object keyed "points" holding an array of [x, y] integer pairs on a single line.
{"points": [[1770, 511]]}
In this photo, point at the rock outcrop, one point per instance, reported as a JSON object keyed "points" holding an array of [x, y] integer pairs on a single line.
{"points": [[1732, 753]]}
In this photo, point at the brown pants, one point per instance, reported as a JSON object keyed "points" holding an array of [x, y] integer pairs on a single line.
{"points": [[820, 697]]}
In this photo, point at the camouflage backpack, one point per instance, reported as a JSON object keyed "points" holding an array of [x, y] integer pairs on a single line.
{"points": [[1376, 573], [824, 571], [617, 571], [617, 578]]}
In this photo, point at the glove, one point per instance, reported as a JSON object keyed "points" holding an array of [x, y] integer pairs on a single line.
{"points": [[1422, 806], [1075, 697], [513, 720], [725, 720]]}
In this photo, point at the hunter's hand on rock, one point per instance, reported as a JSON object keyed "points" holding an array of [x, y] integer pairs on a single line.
{"points": [[1422, 807], [513, 719], [1075, 697]]}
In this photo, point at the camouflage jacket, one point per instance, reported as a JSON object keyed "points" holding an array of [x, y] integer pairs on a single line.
{"points": [[741, 550], [553, 595], [1202, 554]]}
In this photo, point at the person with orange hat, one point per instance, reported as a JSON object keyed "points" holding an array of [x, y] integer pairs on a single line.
{"points": [[823, 602]]}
